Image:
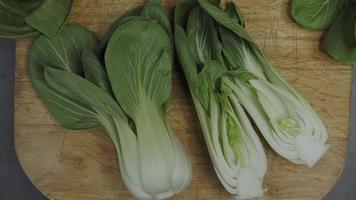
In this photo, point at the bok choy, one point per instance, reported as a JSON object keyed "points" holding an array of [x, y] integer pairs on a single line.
{"points": [[234, 147], [228, 75], [283, 116], [25, 18], [340, 39], [338, 17], [127, 95]]}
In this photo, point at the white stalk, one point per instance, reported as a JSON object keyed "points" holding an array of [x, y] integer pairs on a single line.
{"points": [[152, 162], [241, 176], [285, 119]]}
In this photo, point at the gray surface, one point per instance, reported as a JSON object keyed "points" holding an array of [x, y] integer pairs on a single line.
{"points": [[14, 185], [345, 188]]}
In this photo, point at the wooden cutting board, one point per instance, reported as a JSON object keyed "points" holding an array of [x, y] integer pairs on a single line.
{"points": [[70, 165]]}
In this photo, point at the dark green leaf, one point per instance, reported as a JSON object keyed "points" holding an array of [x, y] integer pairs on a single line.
{"points": [[215, 70], [138, 60], [339, 41], [17, 32], [201, 34], [186, 55], [202, 90], [355, 32], [225, 20], [154, 11], [94, 71], [50, 16], [316, 14], [13, 6], [182, 11], [206, 82], [12, 18], [13, 25], [26, 18], [232, 49], [64, 52], [241, 54], [70, 113], [31, 5], [20, 7], [80, 88], [104, 42], [151, 10], [234, 12]]}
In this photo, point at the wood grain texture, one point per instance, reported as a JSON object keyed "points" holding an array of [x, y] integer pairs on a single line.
{"points": [[69, 165]]}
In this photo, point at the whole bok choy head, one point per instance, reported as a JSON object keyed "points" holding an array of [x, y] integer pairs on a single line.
{"points": [[128, 96], [283, 116], [25, 18], [235, 149]]}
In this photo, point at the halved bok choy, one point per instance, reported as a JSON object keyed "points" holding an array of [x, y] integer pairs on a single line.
{"points": [[234, 147], [282, 115]]}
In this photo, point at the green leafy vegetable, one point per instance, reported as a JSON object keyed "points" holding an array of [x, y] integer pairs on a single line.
{"points": [[144, 72], [127, 95], [212, 42], [104, 42], [237, 154], [339, 16], [340, 40], [316, 14], [283, 116], [94, 71], [19, 18], [63, 52], [153, 11]]}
